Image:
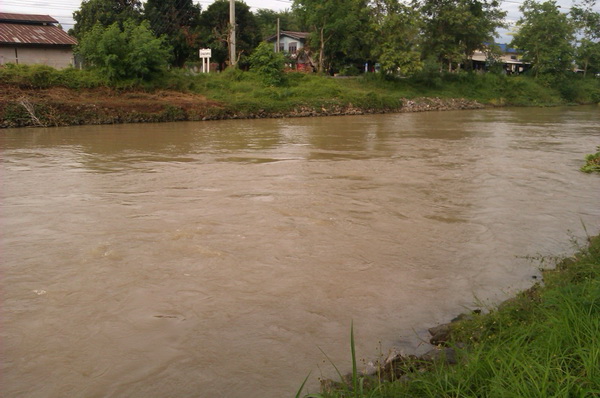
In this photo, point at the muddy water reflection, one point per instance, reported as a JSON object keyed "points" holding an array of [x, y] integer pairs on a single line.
{"points": [[210, 259]]}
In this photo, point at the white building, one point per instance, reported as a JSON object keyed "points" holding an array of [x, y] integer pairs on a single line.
{"points": [[289, 42], [34, 39]]}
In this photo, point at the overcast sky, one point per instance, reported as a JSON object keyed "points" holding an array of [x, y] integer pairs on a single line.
{"points": [[62, 10]]}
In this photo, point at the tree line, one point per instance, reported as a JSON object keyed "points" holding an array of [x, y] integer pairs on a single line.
{"points": [[128, 39]]}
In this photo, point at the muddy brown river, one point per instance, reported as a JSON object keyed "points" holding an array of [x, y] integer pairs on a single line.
{"points": [[217, 259]]}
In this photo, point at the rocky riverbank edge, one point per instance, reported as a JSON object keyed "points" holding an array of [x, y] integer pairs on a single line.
{"points": [[63, 107], [398, 366]]}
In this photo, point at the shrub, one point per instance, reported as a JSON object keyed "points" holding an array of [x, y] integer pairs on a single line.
{"points": [[132, 53], [268, 64]]}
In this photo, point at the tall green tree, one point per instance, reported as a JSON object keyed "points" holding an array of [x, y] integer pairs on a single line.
{"points": [[178, 21], [396, 35], [354, 46], [337, 27], [545, 35], [214, 30], [587, 23], [105, 13], [267, 21], [453, 30], [130, 52]]}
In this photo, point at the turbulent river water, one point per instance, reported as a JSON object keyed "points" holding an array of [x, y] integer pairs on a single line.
{"points": [[217, 259]]}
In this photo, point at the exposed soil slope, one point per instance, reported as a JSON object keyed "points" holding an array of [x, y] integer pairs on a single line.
{"points": [[58, 106]]}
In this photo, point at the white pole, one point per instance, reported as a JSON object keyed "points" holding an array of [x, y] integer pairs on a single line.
{"points": [[232, 53]]}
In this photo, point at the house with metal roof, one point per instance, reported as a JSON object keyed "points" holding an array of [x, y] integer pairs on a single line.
{"points": [[510, 58], [289, 42], [294, 45], [34, 39]]}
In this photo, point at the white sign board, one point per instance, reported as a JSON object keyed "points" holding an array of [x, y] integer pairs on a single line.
{"points": [[205, 54]]}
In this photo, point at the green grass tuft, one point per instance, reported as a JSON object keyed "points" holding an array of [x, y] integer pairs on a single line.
{"points": [[592, 163]]}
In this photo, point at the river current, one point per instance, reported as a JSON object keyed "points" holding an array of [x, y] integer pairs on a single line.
{"points": [[222, 259]]}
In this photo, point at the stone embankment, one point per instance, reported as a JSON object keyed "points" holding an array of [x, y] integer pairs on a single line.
{"points": [[63, 107]]}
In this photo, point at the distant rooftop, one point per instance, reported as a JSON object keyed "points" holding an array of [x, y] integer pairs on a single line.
{"points": [[293, 35], [26, 18], [32, 29]]}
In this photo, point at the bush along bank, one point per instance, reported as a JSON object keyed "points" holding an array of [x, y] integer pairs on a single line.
{"points": [[542, 343]]}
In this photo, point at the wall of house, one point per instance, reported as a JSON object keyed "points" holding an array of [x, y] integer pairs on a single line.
{"points": [[59, 58], [286, 43]]}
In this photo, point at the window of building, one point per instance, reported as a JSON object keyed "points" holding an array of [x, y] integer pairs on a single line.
{"points": [[281, 47], [293, 47]]}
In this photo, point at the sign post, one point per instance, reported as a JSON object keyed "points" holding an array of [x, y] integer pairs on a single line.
{"points": [[205, 54]]}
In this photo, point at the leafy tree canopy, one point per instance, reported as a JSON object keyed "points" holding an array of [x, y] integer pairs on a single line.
{"points": [[337, 27], [131, 52], [215, 30], [267, 21], [453, 30], [545, 36], [396, 29], [178, 21], [105, 13], [587, 23]]}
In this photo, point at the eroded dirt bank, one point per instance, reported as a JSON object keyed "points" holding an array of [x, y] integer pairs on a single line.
{"points": [[65, 107]]}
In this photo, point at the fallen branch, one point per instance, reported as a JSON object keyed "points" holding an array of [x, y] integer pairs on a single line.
{"points": [[30, 109]]}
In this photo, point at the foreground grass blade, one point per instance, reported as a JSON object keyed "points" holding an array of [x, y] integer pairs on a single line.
{"points": [[302, 386]]}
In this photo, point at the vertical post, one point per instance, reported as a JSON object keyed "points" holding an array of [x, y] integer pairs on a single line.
{"points": [[277, 46], [232, 53]]}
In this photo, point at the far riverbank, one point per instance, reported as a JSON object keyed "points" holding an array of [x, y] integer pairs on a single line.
{"points": [[43, 97], [58, 106]]}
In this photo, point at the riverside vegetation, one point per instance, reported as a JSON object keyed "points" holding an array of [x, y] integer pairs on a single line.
{"points": [[42, 96], [542, 343], [592, 163]]}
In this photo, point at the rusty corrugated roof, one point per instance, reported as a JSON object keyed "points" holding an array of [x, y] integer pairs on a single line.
{"points": [[14, 33], [32, 18]]}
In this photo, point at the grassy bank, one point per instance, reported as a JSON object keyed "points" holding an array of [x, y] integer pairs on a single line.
{"points": [[39, 95], [543, 343]]}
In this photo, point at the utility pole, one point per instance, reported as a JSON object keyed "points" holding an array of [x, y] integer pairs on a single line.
{"points": [[277, 45], [232, 53]]}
